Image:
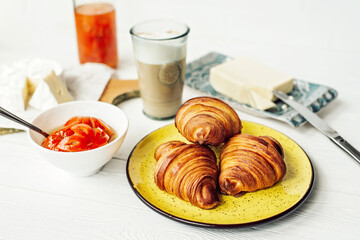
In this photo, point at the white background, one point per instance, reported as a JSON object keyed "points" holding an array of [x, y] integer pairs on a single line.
{"points": [[317, 41]]}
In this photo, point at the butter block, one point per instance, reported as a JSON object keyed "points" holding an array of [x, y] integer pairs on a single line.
{"points": [[13, 88], [50, 92], [249, 82]]}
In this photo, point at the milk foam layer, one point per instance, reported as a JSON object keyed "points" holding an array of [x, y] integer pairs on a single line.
{"points": [[159, 51], [166, 34]]}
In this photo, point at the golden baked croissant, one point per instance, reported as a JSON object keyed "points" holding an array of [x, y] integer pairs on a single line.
{"points": [[207, 120], [249, 163], [188, 171]]}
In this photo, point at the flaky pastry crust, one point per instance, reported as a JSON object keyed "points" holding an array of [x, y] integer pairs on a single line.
{"points": [[249, 163], [207, 120], [188, 171]]}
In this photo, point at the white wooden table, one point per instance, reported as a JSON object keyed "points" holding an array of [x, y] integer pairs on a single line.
{"points": [[316, 41]]}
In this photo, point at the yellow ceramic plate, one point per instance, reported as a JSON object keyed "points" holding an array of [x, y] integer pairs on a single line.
{"points": [[251, 208]]}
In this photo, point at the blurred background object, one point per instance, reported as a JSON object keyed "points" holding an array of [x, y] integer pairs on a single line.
{"points": [[96, 31]]}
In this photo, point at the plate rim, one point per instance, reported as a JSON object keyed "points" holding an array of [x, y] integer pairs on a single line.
{"points": [[214, 225]]}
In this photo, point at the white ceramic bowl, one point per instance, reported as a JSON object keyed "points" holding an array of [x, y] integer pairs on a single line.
{"points": [[83, 163]]}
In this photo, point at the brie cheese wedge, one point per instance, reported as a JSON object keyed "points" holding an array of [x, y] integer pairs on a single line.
{"points": [[13, 88], [50, 92], [38, 69], [249, 82]]}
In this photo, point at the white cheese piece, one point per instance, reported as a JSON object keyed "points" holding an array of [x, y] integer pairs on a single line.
{"points": [[13, 88], [249, 82], [38, 69], [50, 92]]}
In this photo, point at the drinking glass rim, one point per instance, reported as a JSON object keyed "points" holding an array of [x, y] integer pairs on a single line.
{"points": [[186, 32]]}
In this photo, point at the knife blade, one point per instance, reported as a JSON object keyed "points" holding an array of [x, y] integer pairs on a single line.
{"points": [[320, 124]]}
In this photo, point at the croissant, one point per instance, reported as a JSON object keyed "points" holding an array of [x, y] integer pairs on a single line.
{"points": [[249, 163], [188, 171], [207, 120]]}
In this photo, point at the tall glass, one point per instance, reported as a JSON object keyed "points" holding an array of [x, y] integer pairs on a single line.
{"points": [[160, 54], [96, 31]]}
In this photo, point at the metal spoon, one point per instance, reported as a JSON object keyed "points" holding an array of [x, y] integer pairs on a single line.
{"points": [[11, 116]]}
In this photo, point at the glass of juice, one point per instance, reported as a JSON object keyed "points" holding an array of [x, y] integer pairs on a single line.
{"points": [[96, 31]]}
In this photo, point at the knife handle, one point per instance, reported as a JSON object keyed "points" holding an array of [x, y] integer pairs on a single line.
{"points": [[344, 145]]}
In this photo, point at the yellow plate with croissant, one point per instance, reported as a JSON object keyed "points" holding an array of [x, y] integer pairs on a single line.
{"points": [[252, 208]]}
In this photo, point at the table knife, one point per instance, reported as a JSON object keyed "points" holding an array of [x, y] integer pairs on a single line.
{"points": [[320, 124]]}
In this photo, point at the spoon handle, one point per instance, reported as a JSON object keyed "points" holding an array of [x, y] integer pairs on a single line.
{"points": [[11, 116]]}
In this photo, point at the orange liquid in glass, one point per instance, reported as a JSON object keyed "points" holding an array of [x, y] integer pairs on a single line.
{"points": [[96, 33]]}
